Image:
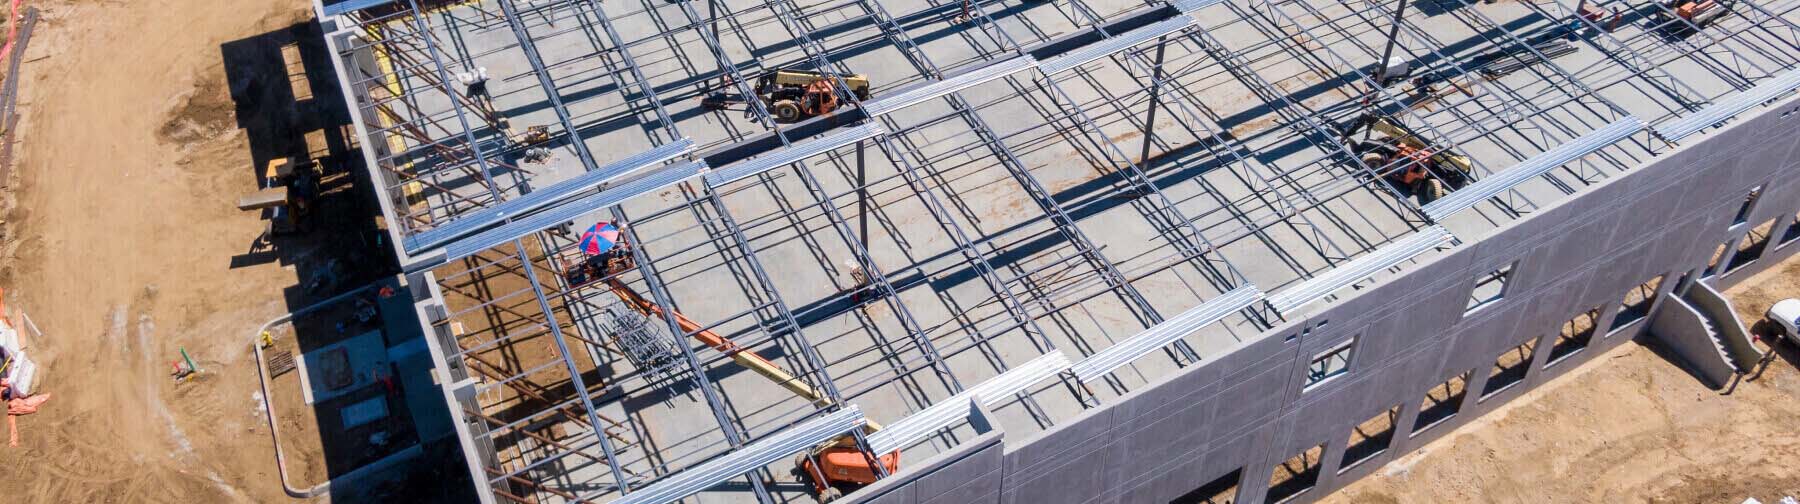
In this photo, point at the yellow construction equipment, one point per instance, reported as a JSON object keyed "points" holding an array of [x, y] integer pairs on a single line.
{"points": [[1420, 167], [792, 95]]}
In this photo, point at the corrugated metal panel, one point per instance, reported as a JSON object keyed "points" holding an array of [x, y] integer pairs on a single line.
{"points": [[1019, 378], [1501, 181], [1359, 268], [558, 214], [794, 153], [1096, 366], [958, 82], [916, 426], [748, 458], [948, 412], [475, 221], [1729, 107], [1115, 44], [1189, 6]]}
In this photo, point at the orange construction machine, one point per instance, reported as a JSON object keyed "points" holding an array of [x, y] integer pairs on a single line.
{"points": [[840, 469], [1698, 14], [841, 466]]}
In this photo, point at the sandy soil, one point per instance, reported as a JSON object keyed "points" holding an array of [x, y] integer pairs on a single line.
{"points": [[1628, 427], [120, 249]]}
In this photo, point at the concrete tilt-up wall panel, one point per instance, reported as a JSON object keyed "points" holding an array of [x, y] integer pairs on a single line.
{"points": [[1247, 409]]}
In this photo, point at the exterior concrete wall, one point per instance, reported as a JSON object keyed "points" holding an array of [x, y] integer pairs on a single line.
{"points": [[1246, 409], [968, 473], [1682, 329]]}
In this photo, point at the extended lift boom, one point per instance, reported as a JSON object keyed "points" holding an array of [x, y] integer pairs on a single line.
{"points": [[839, 463]]}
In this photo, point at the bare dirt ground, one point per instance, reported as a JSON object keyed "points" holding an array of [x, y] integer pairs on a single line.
{"points": [[120, 247], [1628, 427]]}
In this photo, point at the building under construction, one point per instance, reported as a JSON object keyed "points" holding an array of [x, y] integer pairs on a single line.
{"points": [[1069, 251]]}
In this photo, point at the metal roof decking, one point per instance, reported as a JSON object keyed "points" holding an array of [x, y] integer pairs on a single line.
{"points": [[1096, 366], [955, 408], [1500, 181], [751, 456], [794, 153], [1359, 268], [561, 213], [1730, 106], [1189, 6], [1113, 45], [472, 222], [919, 94]]}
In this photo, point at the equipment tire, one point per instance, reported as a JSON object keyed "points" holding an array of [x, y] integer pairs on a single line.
{"points": [[1428, 190], [787, 111]]}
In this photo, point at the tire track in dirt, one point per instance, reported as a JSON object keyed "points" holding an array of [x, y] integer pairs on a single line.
{"points": [[96, 177]]}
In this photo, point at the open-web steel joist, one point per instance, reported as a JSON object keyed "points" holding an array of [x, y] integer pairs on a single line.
{"points": [[1062, 201]]}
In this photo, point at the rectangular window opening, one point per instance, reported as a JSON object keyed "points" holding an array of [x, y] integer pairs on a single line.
{"points": [[1751, 247], [1329, 364], [1575, 335], [1510, 368], [1743, 212], [1792, 233], [1636, 304], [1222, 490], [1370, 438], [1712, 265], [1442, 402], [1490, 287], [1296, 475]]}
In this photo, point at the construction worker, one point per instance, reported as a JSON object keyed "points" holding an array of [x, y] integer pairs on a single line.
{"points": [[616, 259], [861, 287], [474, 82], [475, 88]]}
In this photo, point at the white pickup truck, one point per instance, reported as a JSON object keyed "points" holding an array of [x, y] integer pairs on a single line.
{"points": [[1786, 314]]}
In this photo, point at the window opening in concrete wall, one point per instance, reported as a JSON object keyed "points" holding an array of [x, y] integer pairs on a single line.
{"points": [[1575, 335], [1792, 233], [1490, 287], [1329, 364], [1370, 438], [1636, 304], [1442, 402], [1743, 213], [1222, 490], [1510, 367], [1751, 247], [1295, 475], [1712, 265]]}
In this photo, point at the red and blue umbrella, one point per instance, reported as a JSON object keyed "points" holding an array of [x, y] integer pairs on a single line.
{"points": [[603, 236]]}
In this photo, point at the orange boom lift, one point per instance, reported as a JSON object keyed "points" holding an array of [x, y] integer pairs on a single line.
{"points": [[840, 464]]}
